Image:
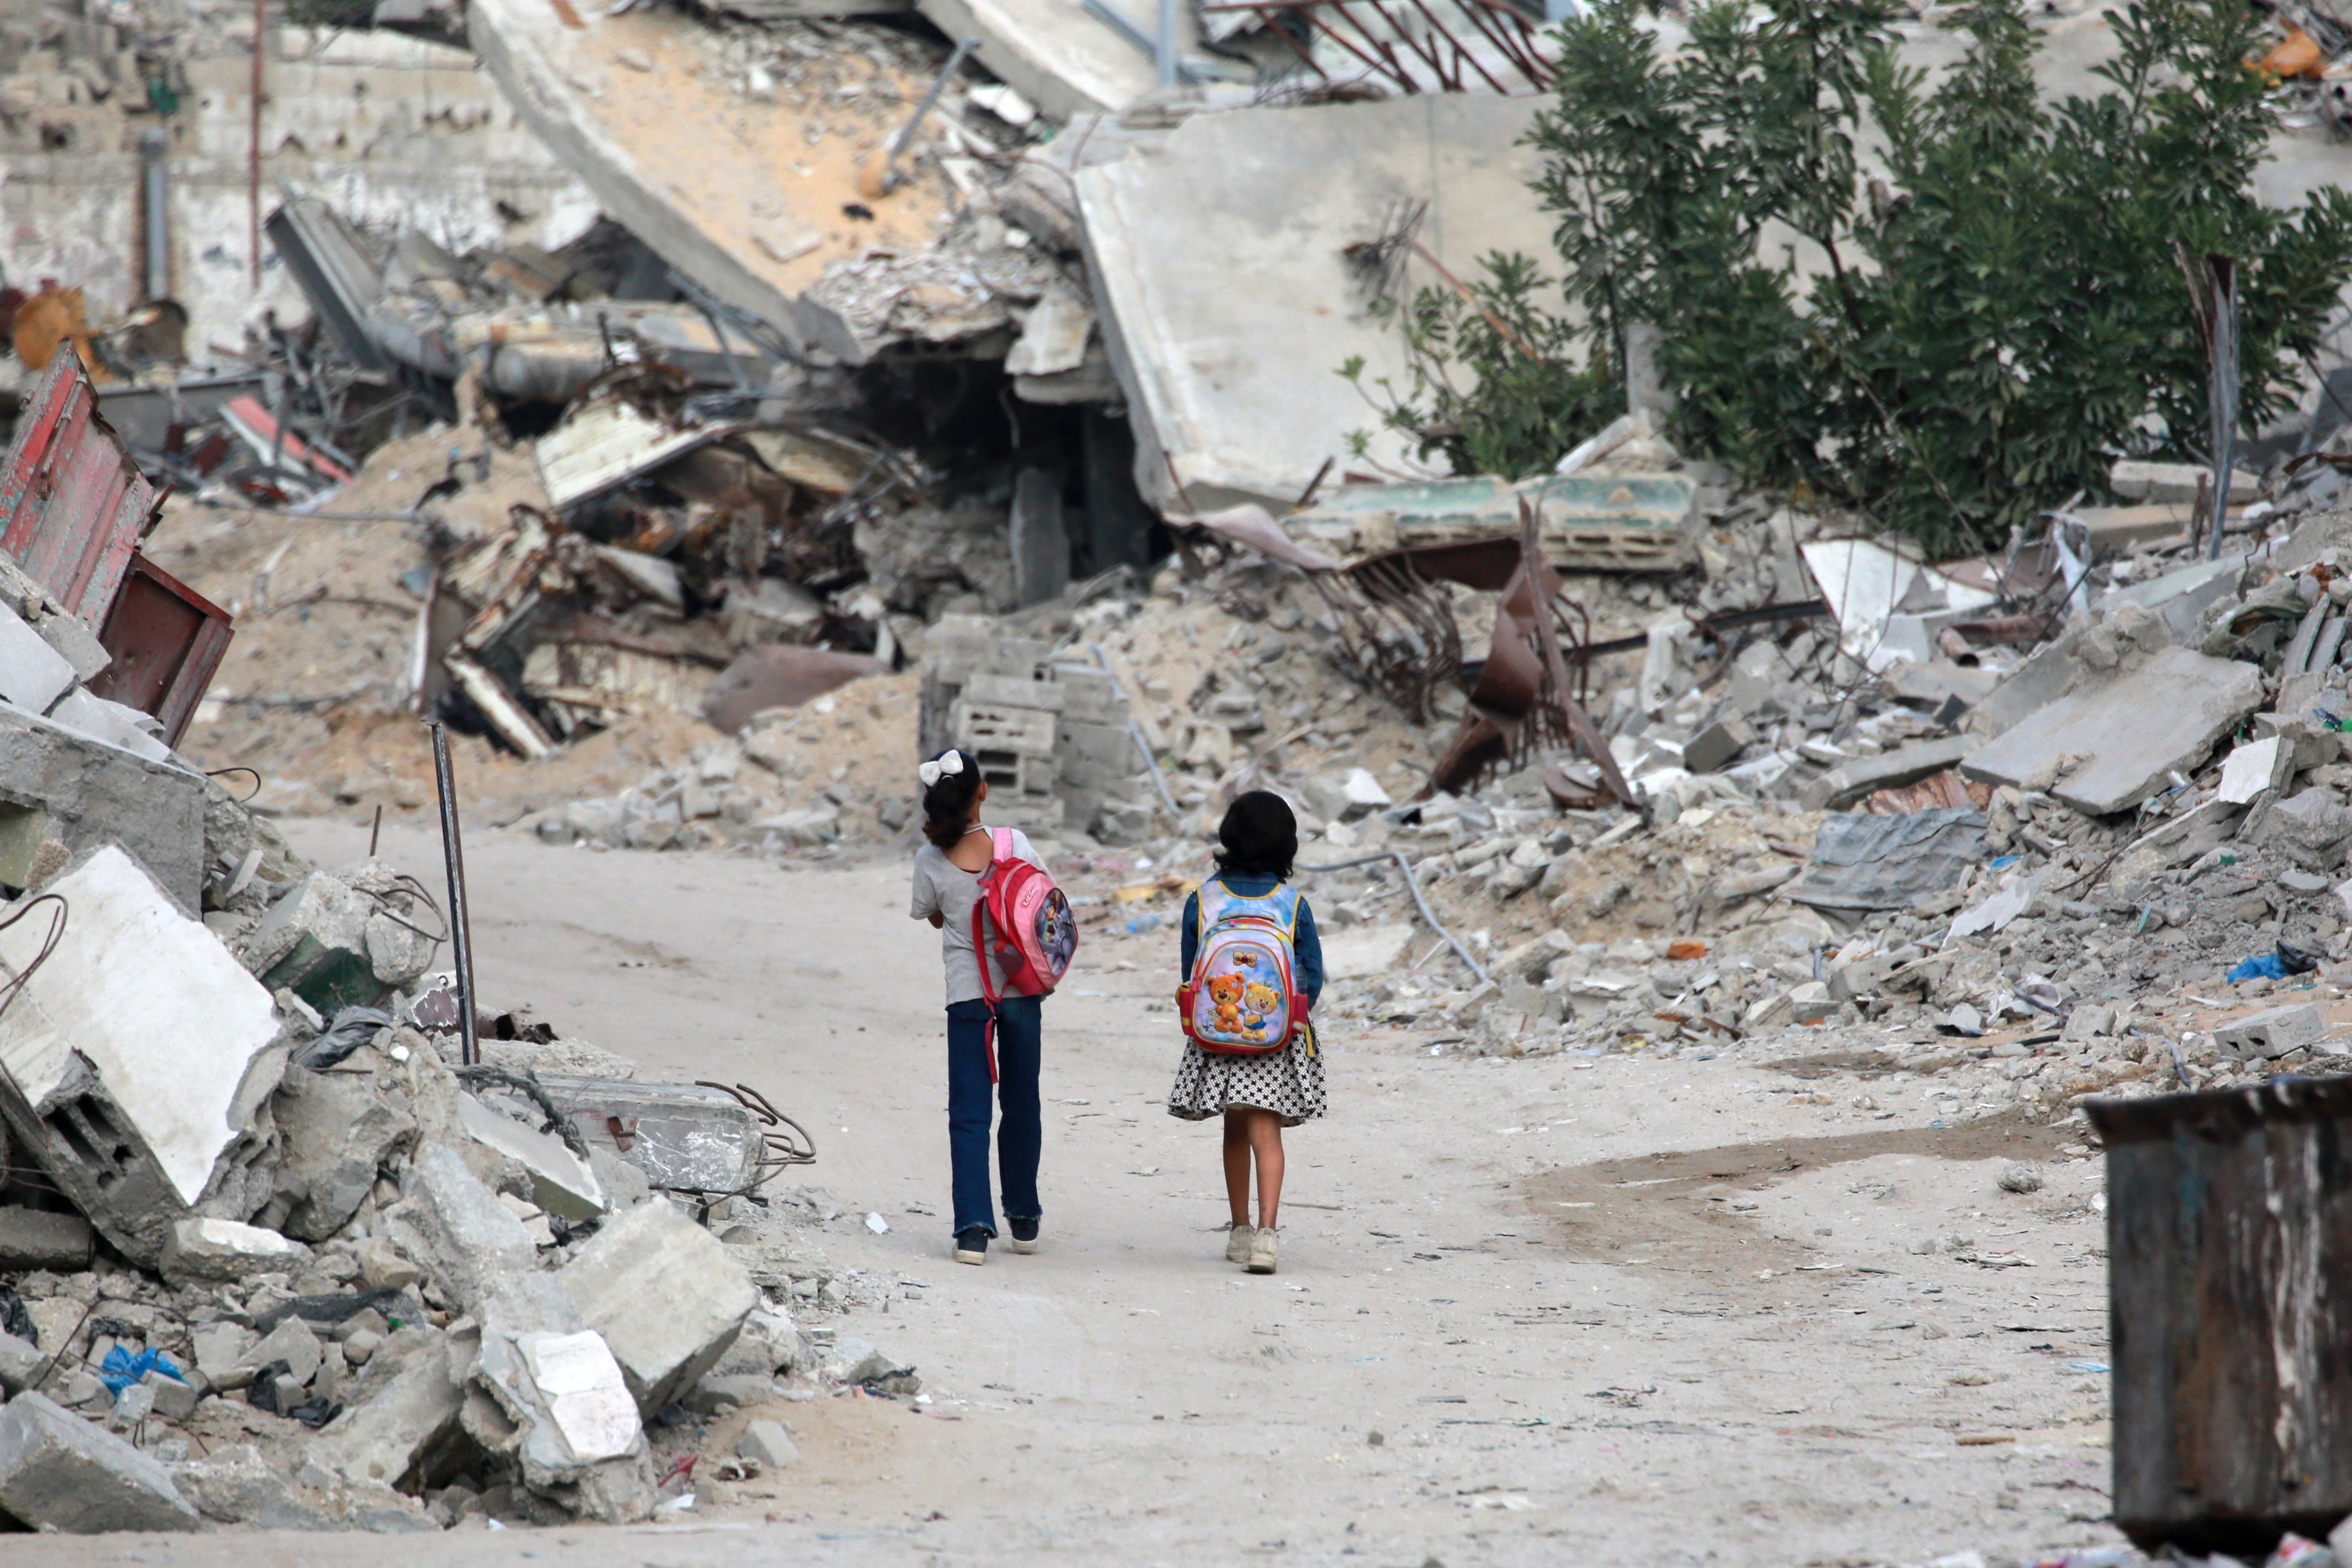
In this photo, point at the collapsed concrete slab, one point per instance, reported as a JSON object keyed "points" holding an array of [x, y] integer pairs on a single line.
{"points": [[136, 1054], [2111, 747], [91, 793], [684, 1138], [742, 203], [1233, 390], [59, 1472], [1061, 58], [666, 1295]]}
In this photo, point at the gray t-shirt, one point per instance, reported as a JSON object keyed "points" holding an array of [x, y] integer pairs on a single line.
{"points": [[943, 888]]}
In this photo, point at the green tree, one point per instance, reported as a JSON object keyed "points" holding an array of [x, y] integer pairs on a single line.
{"points": [[1951, 348]]}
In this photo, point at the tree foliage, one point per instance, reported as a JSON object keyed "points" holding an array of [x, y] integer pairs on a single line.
{"points": [[1952, 346]]}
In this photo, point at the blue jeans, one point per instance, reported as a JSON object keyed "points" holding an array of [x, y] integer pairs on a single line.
{"points": [[1019, 1136]]}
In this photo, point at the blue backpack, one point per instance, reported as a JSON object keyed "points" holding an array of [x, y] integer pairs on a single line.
{"points": [[1241, 997]]}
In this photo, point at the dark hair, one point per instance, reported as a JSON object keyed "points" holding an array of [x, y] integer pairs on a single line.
{"points": [[1259, 837], [946, 805]]}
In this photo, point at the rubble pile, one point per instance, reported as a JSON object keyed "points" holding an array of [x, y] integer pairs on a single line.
{"points": [[316, 1222]]}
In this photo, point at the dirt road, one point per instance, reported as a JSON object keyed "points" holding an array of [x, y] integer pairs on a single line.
{"points": [[1567, 1311]]}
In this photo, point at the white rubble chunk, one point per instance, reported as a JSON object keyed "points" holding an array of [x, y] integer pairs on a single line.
{"points": [[222, 1250], [139, 1016]]}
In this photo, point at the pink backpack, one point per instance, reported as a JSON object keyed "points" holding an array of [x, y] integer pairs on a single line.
{"points": [[1036, 934]]}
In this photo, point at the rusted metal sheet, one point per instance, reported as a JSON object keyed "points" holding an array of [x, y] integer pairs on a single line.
{"points": [[2230, 1306], [72, 502], [166, 640]]}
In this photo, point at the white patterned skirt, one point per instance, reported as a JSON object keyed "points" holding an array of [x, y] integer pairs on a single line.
{"points": [[1288, 1082]]}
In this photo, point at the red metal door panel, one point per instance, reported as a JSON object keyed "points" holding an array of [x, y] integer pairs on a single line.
{"points": [[166, 640], [72, 502]]}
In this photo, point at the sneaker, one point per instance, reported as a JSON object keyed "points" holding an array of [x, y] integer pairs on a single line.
{"points": [[1261, 1252], [971, 1246], [1237, 1245], [1025, 1234]]}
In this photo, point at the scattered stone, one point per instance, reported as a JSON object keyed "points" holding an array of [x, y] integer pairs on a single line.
{"points": [[2018, 1176], [767, 1443]]}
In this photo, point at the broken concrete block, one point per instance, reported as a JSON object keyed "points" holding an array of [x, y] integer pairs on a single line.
{"points": [[334, 1130], [291, 1341], [576, 1431], [397, 948], [72, 640], [561, 1182], [2272, 1032], [21, 1365], [684, 1138], [1720, 743], [667, 1296], [402, 1418], [59, 1472], [453, 1226], [1858, 777], [131, 1406], [99, 793], [219, 1349], [767, 1444], [33, 675], [134, 1058], [383, 1267], [2110, 748], [2254, 769], [171, 1397], [224, 1250], [2309, 827], [39, 1238], [314, 943]]}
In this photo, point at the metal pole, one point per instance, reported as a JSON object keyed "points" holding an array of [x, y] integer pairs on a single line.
{"points": [[252, 146], [1167, 50], [155, 193], [939, 85], [461, 933], [2223, 275]]}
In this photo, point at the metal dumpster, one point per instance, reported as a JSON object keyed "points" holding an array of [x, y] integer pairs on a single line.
{"points": [[2230, 1305]]}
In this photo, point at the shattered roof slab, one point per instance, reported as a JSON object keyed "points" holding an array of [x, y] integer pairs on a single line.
{"points": [[1215, 252], [736, 194]]}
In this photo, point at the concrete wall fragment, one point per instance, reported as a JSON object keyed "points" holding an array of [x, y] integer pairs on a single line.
{"points": [[136, 1054]]}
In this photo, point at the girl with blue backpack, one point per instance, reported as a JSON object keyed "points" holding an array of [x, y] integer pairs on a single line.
{"points": [[1253, 969]]}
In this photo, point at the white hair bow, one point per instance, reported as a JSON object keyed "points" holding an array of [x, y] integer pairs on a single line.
{"points": [[949, 765]]}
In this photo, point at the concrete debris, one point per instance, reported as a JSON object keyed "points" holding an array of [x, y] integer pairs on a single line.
{"points": [[767, 1444], [41, 1238], [136, 1054], [667, 1296], [225, 1251], [59, 1472], [684, 1138]]}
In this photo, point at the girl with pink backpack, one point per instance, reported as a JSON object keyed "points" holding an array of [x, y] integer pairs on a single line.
{"points": [[1007, 937]]}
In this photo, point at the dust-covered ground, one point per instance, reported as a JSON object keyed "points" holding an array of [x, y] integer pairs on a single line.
{"points": [[1591, 1309]]}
